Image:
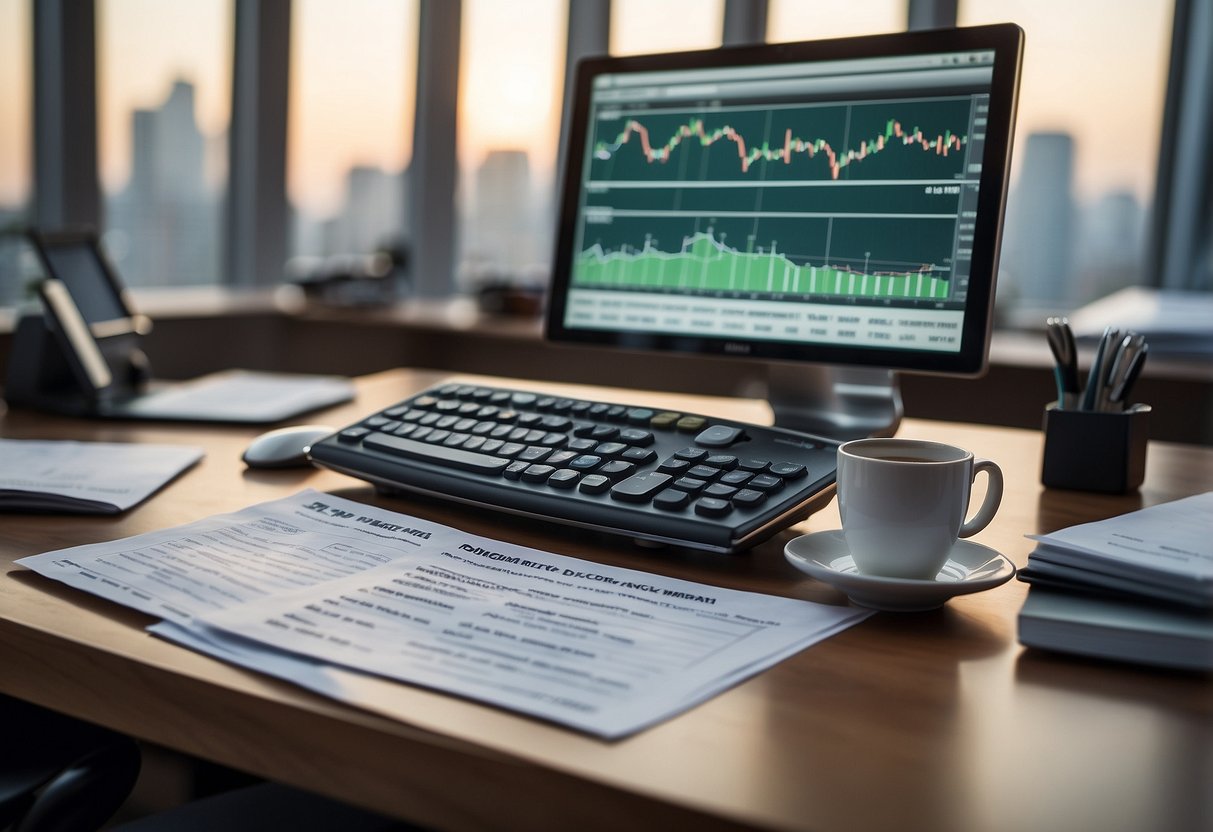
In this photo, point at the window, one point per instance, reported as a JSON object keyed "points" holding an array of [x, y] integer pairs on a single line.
{"points": [[163, 106], [353, 72], [792, 20], [640, 26], [15, 161], [510, 76], [1086, 149]]}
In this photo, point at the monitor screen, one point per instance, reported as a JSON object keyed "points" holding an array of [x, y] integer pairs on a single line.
{"points": [[834, 201]]}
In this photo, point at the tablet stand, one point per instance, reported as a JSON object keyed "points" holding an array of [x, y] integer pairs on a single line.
{"points": [[41, 376]]}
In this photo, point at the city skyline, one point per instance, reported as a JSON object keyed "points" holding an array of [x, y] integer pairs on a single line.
{"points": [[1058, 248]]}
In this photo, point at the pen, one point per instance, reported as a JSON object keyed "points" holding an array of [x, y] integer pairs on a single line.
{"points": [[1118, 366], [1096, 377], [1065, 355], [1121, 391]]}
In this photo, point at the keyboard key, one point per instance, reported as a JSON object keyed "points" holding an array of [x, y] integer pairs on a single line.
{"points": [[639, 416], [491, 446], [724, 492], [514, 470], [637, 437], [563, 478], [664, 420], [640, 456], [610, 449], [723, 461], [690, 484], [704, 472], [674, 466], [594, 484], [713, 507], [616, 468], [690, 424], [352, 434], [581, 444], [561, 457], [440, 454], [719, 436], [585, 462], [748, 498], [537, 473], [511, 449], [692, 454], [639, 488], [534, 453], [766, 483], [437, 435], [671, 499], [736, 477], [788, 470]]}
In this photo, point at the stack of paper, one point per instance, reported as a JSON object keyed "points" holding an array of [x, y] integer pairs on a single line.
{"points": [[323, 591], [1138, 587], [85, 477]]}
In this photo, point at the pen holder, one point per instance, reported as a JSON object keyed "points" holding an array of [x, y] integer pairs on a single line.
{"points": [[1095, 451]]}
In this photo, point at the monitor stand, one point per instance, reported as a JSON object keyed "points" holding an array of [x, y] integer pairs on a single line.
{"points": [[837, 402]]}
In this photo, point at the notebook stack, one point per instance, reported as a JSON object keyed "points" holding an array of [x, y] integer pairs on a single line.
{"points": [[1136, 588]]}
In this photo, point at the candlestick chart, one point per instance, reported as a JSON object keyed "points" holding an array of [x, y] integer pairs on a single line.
{"points": [[861, 201]]}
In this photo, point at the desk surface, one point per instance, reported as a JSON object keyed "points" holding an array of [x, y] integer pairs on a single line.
{"points": [[936, 721]]}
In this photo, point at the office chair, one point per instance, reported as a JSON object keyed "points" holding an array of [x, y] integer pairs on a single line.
{"points": [[265, 806], [58, 774]]}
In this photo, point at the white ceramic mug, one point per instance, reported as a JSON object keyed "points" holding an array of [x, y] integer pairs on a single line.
{"points": [[904, 501]]}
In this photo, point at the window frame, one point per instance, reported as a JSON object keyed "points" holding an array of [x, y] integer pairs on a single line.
{"points": [[66, 186]]}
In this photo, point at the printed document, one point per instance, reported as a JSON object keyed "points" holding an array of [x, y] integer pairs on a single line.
{"points": [[1168, 541], [305, 585], [86, 477]]}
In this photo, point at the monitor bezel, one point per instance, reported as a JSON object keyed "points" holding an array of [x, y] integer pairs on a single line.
{"points": [[1006, 41]]}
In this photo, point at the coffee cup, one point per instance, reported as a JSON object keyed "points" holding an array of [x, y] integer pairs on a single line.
{"points": [[903, 503]]}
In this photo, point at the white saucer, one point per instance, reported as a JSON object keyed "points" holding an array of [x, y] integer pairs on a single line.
{"points": [[971, 567]]}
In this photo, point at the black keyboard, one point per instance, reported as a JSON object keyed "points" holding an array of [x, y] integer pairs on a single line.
{"points": [[661, 476]]}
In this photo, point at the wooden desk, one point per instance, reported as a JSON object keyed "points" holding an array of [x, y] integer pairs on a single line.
{"points": [[934, 721]]}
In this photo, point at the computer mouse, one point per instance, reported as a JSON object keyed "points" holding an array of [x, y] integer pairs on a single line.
{"points": [[285, 447]]}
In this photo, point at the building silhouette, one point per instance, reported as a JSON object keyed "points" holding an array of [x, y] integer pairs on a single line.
{"points": [[1038, 249], [163, 227], [501, 238]]}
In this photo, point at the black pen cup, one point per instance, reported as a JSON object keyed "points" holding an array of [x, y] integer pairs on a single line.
{"points": [[1095, 451]]}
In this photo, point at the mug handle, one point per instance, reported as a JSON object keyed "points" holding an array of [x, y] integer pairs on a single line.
{"points": [[993, 497]]}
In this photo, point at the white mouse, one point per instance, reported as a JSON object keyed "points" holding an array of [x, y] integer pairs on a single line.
{"points": [[285, 447]]}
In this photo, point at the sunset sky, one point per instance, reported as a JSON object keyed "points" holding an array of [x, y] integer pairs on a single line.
{"points": [[1093, 68]]}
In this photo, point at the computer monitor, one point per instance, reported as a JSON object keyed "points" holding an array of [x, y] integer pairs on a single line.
{"points": [[838, 202]]}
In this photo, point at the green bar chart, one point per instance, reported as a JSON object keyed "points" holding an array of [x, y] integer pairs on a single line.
{"points": [[705, 264]]}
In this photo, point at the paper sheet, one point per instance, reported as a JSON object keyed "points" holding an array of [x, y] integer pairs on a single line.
{"points": [[292, 586], [94, 477], [1172, 540]]}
